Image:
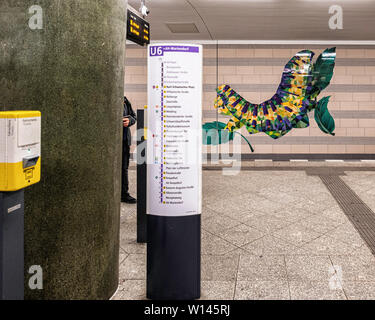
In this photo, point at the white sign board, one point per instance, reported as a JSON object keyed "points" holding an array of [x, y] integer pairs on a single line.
{"points": [[174, 138]]}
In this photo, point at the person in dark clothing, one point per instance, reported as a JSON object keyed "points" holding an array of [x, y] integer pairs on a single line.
{"points": [[129, 119]]}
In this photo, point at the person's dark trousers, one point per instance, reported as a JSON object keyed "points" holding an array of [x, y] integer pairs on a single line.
{"points": [[125, 167]]}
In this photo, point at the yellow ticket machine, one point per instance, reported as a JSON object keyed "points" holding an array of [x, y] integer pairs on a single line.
{"points": [[20, 145], [20, 133]]}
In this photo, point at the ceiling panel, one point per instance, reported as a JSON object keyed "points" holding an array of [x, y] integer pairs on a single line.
{"points": [[260, 19]]}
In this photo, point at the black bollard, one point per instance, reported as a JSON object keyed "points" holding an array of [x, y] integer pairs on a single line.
{"points": [[141, 179]]}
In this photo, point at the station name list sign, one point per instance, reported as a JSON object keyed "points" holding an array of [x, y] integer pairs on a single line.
{"points": [[174, 148]]}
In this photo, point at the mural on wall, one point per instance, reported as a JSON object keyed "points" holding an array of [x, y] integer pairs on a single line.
{"points": [[301, 83]]}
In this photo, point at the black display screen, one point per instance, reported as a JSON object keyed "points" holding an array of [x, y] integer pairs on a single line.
{"points": [[138, 30]]}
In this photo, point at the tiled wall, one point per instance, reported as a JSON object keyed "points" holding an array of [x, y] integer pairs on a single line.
{"points": [[255, 72]]}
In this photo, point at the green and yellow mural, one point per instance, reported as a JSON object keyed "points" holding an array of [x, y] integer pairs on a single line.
{"points": [[297, 95]]}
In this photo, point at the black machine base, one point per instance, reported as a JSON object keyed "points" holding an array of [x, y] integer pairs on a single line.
{"points": [[141, 179], [173, 257], [12, 245]]}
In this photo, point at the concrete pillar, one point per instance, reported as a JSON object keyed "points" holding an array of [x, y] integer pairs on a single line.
{"points": [[70, 66]]}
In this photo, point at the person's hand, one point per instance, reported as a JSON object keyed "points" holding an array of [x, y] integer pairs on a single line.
{"points": [[126, 122]]}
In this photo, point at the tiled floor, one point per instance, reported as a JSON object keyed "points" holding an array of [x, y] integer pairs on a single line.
{"points": [[268, 235]]}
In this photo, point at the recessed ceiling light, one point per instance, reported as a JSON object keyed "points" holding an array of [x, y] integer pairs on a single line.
{"points": [[182, 27]]}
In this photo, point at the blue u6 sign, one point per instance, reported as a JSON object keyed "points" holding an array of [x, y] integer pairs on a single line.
{"points": [[159, 50]]}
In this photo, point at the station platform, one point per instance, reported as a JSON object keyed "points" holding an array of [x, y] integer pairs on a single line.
{"points": [[275, 230]]}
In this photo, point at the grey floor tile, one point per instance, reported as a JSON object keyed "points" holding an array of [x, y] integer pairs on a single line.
{"points": [[243, 215], [266, 223], [269, 245], [131, 246], [217, 290], [362, 251], [359, 290], [348, 234], [290, 214], [296, 234], [219, 268], [313, 206], [278, 197], [315, 290], [131, 290], [128, 232], [241, 235], [320, 223], [122, 256], [257, 204], [208, 213], [355, 268], [129, 217], [240, 251], [362, 183], [128, 211], [227, 204], [133, 268], [335, 213], [212, 244], [326, 245], [128, 239], [223, 187], [262, 290], [255, 268], [309, 268], [218, 224]]}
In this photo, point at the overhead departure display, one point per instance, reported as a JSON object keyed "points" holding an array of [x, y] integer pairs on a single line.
{"points": [[138, 29]]}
